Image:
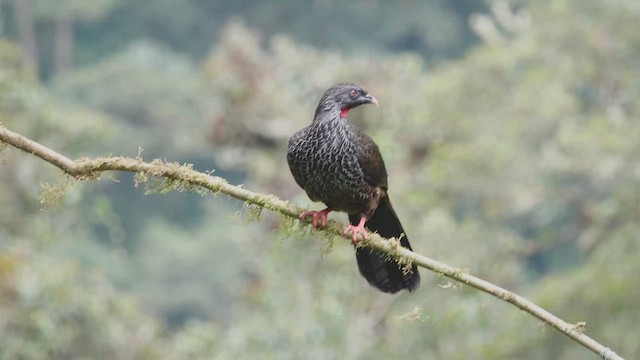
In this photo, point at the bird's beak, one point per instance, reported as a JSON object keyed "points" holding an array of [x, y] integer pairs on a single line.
{"points": [[372, 100]]}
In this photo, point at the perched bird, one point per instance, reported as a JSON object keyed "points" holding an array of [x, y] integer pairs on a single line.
{"points": [[337, 163]]}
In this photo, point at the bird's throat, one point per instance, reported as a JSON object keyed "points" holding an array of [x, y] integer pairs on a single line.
{"points": [[344, 113]]}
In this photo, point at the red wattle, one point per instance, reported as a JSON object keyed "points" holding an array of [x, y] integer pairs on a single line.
{"points": [[344, 113]]}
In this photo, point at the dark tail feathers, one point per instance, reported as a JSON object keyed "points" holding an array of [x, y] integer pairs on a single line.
{"points": [[384, 274]]}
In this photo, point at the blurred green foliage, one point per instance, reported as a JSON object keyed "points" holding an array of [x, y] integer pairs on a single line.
{"points": [[515, 159], [53, 310], [435, 29]]}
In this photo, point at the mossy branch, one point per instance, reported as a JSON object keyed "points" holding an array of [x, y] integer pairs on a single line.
{"points": [[183, 176]]}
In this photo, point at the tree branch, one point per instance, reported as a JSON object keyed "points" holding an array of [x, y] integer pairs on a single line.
{"points": [[83, 169]]}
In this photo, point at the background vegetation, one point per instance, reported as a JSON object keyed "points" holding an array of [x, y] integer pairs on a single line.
{"points": [[509, 130]]}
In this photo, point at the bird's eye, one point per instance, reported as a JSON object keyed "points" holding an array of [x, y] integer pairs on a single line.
{"points": [[353, 93]]}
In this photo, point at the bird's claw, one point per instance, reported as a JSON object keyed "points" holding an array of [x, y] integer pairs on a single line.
{"points": [[317, 215], [355, 230]]}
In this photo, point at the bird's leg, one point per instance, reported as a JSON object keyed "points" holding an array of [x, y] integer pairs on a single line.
{"points": [[357, 229], [317, 215]]}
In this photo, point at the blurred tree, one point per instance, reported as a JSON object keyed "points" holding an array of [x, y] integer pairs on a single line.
{"points": [[27, 107], [56, 311], [33, 17], [64, 14], [2, 22], [50, 307], [436, 29], [155, 94], [24, 13]]}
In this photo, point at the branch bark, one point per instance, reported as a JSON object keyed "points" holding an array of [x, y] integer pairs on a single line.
{"points": [[83, 169]]}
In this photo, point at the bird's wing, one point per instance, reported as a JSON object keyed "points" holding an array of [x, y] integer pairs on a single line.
{"points": [[370, 159]]}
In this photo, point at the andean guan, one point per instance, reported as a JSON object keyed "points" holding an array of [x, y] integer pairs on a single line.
{"points": [[339, 164]]}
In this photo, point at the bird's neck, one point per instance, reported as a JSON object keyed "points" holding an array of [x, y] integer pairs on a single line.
{"points": [[330, 109], [329, 114], [331, 126]]}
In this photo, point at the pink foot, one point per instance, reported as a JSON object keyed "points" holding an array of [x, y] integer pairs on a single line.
{"points": [[357, 229], [317, 215]]}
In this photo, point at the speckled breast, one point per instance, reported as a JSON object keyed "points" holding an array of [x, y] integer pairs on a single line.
{"points": [[328, 169]]}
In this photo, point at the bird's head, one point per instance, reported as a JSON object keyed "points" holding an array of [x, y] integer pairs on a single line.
{"points": [[344, 97]]}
